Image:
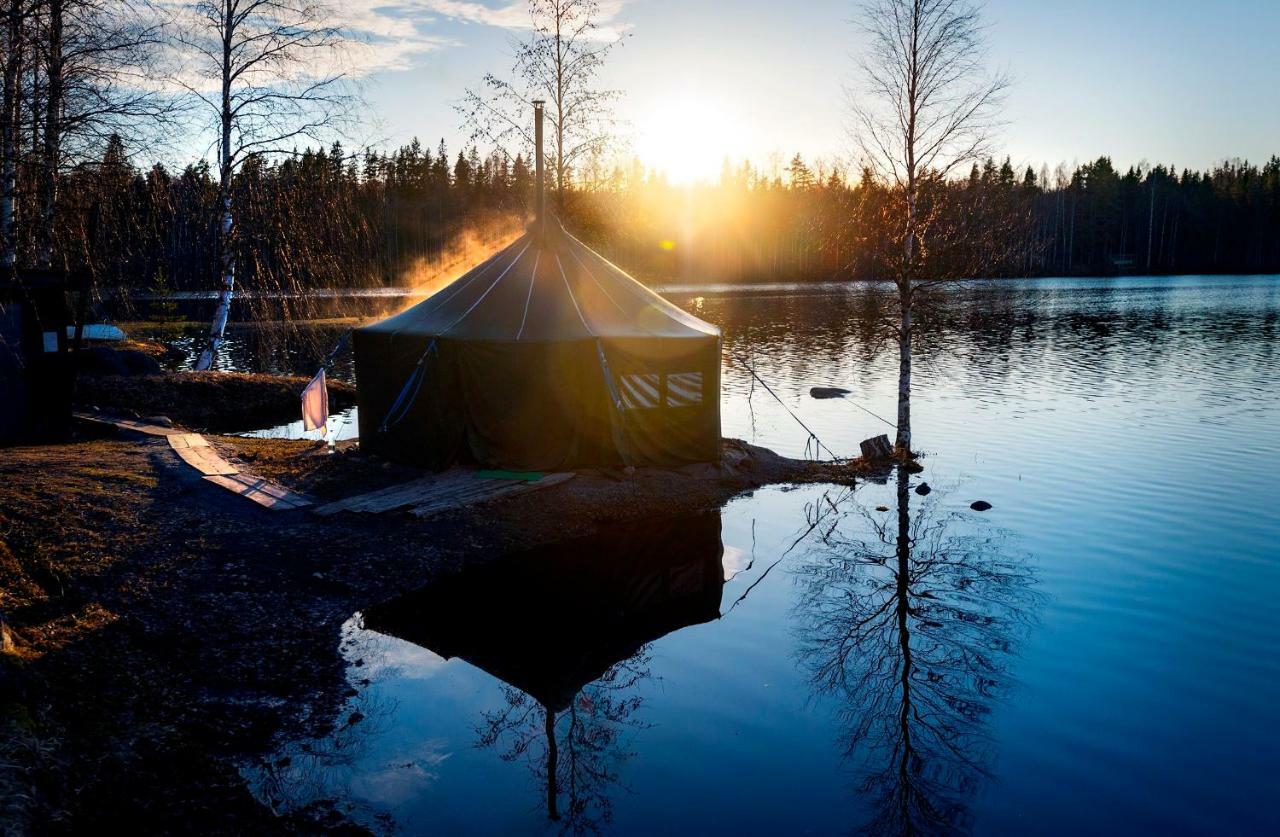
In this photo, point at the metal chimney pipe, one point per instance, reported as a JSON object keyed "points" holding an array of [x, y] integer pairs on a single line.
{"points": [[540, 201]]}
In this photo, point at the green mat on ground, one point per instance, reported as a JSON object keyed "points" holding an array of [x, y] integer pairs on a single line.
{"points": [[527, 476]]}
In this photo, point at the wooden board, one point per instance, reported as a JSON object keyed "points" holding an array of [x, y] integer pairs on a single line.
{"points": [[264, 493], [397, 496], [196, 451], [129, 424], [441, 492], [492, 490]]}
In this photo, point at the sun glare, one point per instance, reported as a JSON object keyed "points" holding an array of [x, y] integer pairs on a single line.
{"points": [[687, 135]]}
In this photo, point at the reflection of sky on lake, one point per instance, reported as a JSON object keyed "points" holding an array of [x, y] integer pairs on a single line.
{"points": [[1127, 433]]}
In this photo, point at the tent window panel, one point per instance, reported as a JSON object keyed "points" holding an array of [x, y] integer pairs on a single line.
{"points": [[639, 392], [684, 389]]}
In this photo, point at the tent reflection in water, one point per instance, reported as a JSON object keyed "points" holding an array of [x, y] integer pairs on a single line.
{"points": [[551, 620], [554, 620], [545, 357]]}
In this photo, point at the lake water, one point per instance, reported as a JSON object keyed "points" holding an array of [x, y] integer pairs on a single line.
{"points": [[1098, 653]]}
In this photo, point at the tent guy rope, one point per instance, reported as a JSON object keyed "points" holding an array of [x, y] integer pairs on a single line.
{"points": [[818, 444]]}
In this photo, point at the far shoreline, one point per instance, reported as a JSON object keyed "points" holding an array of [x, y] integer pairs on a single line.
{"points": [[660, 286]]}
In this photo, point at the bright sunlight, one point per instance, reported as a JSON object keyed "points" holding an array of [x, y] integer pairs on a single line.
{"points": [[687, 134]]}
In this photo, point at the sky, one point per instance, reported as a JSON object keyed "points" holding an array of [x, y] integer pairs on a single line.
{"points": [[1159, 81]]}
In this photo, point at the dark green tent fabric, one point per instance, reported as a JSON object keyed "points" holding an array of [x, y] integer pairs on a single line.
{"points": [[546, 356]]}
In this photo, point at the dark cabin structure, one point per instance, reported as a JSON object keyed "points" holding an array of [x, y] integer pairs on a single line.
{"points": [[36, 371], [546, 356]]}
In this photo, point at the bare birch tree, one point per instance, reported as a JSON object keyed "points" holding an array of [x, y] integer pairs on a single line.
{"points": [[268, 73], [560, 63], [925, 106], [100, 62], [17, 15]]}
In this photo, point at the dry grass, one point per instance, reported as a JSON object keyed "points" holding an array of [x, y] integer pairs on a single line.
{"points": [[60, 525]]}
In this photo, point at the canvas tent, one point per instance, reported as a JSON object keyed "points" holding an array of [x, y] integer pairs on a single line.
{"points": [[544, 357]]}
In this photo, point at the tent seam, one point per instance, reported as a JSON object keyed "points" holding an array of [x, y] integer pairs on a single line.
{"points": [[637, 289], [573, 298], [606, 293], [467, 313], [459, 285], [533, 277]]}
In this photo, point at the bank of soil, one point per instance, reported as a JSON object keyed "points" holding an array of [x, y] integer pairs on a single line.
{"points": [[160, 632], [219, 401]]}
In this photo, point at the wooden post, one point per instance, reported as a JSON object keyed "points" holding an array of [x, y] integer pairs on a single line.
{"points": [[877, 447]]}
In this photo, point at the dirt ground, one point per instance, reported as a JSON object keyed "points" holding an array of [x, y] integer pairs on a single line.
{"points": [[159, 631]]}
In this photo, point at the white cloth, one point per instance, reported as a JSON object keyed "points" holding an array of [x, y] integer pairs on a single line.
{"points": [[315, 405]]}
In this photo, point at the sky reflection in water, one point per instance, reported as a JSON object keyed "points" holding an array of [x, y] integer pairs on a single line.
{"points": [[1094, 654]]}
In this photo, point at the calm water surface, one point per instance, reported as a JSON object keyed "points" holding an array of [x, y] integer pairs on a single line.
{"points": [[1097, 653]]}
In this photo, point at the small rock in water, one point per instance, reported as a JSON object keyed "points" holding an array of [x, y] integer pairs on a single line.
{"points": [[980, 505], [923, 488], [828, 392], [882, 508]]}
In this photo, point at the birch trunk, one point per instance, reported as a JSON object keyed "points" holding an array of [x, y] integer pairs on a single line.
{"points": [[9, 136], [905, 324], [226, 252], [52, 135]]}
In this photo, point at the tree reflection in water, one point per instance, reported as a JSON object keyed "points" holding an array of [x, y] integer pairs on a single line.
{"points": [[908, 621], [576, 751]]}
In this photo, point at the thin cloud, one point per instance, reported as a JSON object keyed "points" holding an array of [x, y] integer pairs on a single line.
{"points": [[374, 36], [515, 14], [384, 35]]}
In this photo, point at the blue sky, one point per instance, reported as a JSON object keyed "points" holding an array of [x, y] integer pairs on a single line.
{"points": [[1188, 83]]}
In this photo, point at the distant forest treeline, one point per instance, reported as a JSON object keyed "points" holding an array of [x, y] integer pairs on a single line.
{"points": [[329, 219], [801, 223], [317, 219]]}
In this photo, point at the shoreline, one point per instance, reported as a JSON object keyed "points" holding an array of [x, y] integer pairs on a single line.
{"points": [[144, 605], [662, 285], [219, 401]]}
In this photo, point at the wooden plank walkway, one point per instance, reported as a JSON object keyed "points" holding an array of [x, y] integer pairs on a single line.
{"points": [[264, 493], [196, 451], [129, 424], [422, 498], [439, 493]]}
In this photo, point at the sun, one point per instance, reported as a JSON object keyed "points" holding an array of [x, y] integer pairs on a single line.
{"points": [[687, 134]]}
